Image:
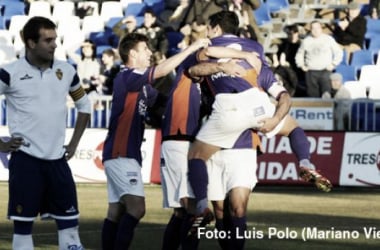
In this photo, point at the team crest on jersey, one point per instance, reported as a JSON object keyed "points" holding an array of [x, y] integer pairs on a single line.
{"points": [[19, 209], [59, 74]]}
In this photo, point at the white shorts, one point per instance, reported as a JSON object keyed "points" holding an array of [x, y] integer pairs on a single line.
{"points": [[123, 177], [234, 113], [174, 169], [228, 169]]}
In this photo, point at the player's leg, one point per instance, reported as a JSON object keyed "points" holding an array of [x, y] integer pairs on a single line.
{"points": [[238, 198], [241, 165], [23, 172], [176, 190], [126, 200], [217, 192], [135, 210], [220, 222], [62, 204], [199, 153], [301, 148], [172, 234], [111, 225]]}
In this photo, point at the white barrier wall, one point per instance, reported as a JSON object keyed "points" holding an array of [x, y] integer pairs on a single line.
{"points": [[347, 159], [86, 165]]}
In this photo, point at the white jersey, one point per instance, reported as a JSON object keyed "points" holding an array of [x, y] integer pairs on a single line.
{"points": [[36, 103]]}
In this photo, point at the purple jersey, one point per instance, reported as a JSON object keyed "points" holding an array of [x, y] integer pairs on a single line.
{"points": [[222, 83], [181, 117], [132, 94]]}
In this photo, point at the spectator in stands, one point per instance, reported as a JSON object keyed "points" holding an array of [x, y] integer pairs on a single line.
{"points": [[88, 66], [110, 66], [197, 15], [350, 31], [244, 10], [374, 8], [285, 75], [318, 55], [286, 54], [125, 26], [158, 42], [172, 17], [342, 97]]}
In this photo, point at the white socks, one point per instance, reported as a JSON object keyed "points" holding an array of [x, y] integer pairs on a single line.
{"points": [[22, 242], [68, 239]]}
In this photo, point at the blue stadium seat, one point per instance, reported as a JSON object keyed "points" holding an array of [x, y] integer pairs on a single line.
{"points": [[101, 38], [134, 9], [100, 49], [262, 15], [373, 28], [174, 38], [348, 72], [12, 8], [362, 57], [374, 43], [277, 5]]}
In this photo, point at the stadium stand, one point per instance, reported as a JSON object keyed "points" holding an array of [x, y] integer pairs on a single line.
{"points": [[356, 89], [40, 8], [62, 10]]}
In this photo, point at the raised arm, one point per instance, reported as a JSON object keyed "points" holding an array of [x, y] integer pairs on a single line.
{"points": [[171, 63]]}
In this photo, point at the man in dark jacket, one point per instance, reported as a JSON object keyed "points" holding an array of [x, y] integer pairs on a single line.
{"points": [[350, 31]]}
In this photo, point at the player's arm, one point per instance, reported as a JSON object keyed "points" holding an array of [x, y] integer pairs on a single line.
{"points": [[171, 63], [83, 105], [208, 68], [224, 52], [282, 108]]}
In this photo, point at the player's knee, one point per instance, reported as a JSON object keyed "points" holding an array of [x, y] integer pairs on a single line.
{"points": [[238, 210], [137, 211]]}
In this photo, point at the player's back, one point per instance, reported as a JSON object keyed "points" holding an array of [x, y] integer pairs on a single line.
{"points": [[223, 83]]}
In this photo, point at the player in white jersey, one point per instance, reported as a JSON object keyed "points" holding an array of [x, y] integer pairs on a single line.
{"points": [[40, 181]]}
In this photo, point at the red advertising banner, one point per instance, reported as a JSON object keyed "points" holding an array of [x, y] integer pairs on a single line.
{"points": [[278, 164]]}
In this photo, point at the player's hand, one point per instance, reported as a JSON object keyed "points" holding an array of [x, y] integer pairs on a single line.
{"points": [[12, 145], [234, 69], [69, 151], [268, 124], [254, 60], [200, 43]]}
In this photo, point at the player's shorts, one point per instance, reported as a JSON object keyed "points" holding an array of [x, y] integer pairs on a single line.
{"points": [[123, 177], [38, 186], [174, 169], [234, 113], [228, 169]]}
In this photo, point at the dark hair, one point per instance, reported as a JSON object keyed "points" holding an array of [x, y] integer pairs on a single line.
{"points": [[291, 29], [150, 11], [31, 30], [93, 47], [227, 21], [109, 52], [129, 42]]}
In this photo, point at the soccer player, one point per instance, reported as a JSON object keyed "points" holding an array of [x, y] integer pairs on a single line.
{"points": [[200, 152], [40, 181], [181, 121], [122, 155]]}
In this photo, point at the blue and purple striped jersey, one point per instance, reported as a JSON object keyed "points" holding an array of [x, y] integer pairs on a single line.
{"points": [[181, 116], [132, 94]]}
